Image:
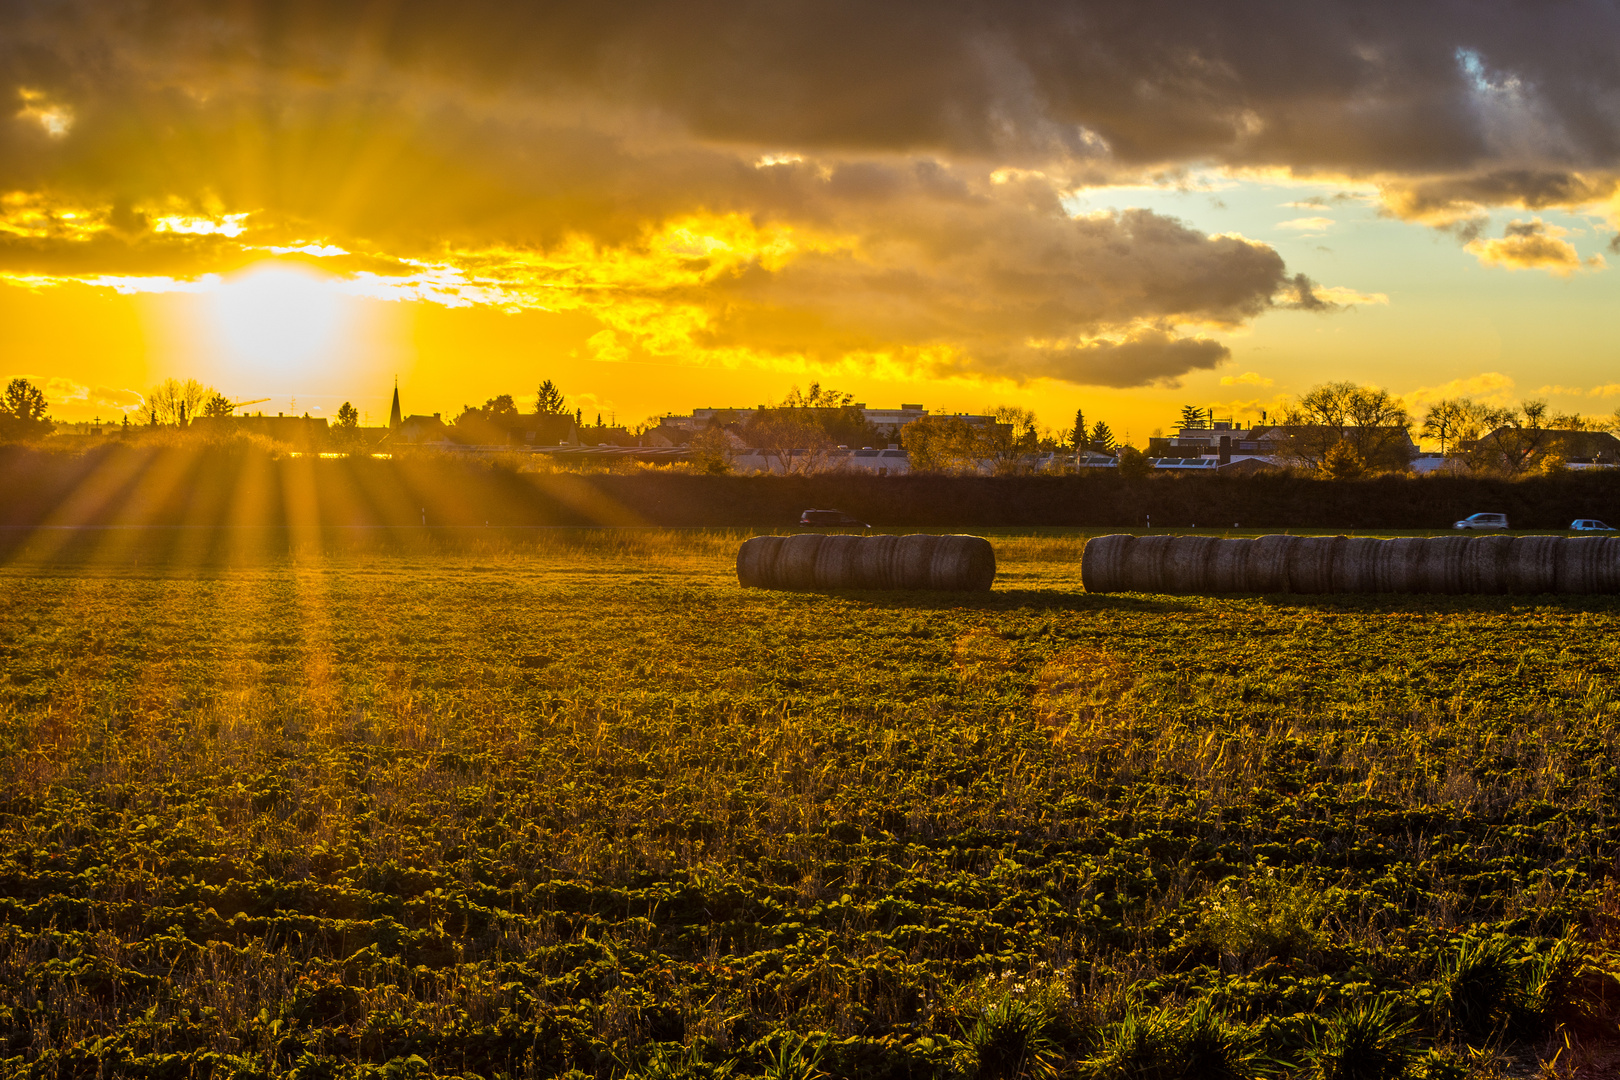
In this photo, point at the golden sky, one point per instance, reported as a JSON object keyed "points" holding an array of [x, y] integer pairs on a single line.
{"points": [[1118, 207]]}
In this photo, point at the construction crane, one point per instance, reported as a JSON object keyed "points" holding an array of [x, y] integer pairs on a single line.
{"points": [[256, 401]]}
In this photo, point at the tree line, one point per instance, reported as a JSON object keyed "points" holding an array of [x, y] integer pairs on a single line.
{"points": [[1339, 430]]}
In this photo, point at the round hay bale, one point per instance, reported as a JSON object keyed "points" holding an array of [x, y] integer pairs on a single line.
{"points": [[1355, 565], [872, 562], [1482, 564], [1224, 569], [1528, 568], [1395, 570], [1186, 564], [1310, 564], [963, 564], [756, 561], [836, 562], [1102, 562], [1440, 565], [1144, 563], [1266, 569], [913, 563], [1578, 564], [796, 562], [1607, 575]]}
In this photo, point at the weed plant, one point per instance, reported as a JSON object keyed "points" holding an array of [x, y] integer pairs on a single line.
{"points": [[580, 806]]}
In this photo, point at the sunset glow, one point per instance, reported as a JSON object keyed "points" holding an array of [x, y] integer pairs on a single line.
{"points": [[654, 235], [275, 320]]}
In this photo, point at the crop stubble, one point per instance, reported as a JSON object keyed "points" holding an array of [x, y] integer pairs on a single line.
{"points": [[526, 806]]}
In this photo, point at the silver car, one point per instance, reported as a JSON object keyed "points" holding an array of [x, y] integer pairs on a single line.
{"points": [[1482, 521]]}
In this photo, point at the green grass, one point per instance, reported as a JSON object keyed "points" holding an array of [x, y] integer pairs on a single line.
{"points": [[484, 803]]}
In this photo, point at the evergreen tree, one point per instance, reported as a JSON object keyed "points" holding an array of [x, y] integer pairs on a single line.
{"points": [[1102, 437], [549, 400], [1079, 435], [22, 411]]}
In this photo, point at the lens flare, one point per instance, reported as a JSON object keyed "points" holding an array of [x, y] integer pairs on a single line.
{"points": [[278, 319]]}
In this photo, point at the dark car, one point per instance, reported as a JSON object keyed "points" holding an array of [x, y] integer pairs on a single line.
{"points": [[830, 519]]}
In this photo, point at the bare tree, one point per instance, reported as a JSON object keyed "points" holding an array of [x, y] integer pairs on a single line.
{"points": [[1456, 421], [712, 450], [175, 402], [817, 398], [792, 440], [1011, 440], [946, 444], [1372, 421], [1517, 443]]}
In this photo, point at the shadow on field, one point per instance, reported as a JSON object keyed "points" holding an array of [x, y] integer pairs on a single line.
{"points": [[1161, 604]]}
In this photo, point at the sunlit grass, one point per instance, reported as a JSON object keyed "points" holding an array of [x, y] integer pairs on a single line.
{"points": [[530, 800]]}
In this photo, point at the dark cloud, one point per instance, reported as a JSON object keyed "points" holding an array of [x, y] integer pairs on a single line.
{"points": [[1149, 356], [1299, 292], [916, 152], [1349, 84]]}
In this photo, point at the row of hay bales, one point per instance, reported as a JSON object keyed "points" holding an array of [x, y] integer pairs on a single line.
{"points": [[1341, 564], [919, 561]]}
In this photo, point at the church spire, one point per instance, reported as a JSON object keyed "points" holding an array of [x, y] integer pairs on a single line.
{"points": [[393, 414]]}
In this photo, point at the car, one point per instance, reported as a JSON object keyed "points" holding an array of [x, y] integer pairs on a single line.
{"points": [[1589, 525], [831, 519], [1482, 521]]}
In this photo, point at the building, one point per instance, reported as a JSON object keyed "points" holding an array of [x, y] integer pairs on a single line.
{"points": [[891, 420], [420, 430], [1517, 449], [1221, 443], [1276, 445]]}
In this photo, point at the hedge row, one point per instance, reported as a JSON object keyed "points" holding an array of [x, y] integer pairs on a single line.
{"points": [[141, 486]]}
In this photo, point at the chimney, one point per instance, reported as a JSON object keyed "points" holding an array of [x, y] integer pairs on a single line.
{"points": [[1226, 450]]}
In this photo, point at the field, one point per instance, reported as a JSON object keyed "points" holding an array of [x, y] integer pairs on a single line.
{"points": [[571, 802]]}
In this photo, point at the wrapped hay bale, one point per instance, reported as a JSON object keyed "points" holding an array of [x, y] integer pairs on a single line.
{"points": [[962, 564], [841, 561], [796, 562], [1310, 564], [1102, 562], [1355, 565], [1396, 570], [1144, 563], [1225, 568], [913, 562], [1482, 568], [756, 562], [1607, 577], [1578, 567], [1439, 567], [1337, 564], [1186, 564], [1528, 566], [873, 562], [837, 562], [1266, 570]]}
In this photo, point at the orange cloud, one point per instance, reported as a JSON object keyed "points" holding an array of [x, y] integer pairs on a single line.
{"points": [[1533, 245], [1491, 387]]}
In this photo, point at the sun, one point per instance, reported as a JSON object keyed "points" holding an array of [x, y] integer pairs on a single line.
{"points": [[278, 319]]}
